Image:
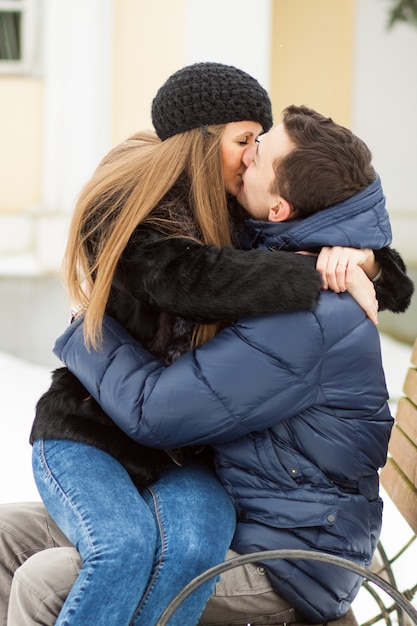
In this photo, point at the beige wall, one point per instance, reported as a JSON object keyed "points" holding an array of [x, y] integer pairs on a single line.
{"points": [[312, 56], [149, 44], [21, 132]]}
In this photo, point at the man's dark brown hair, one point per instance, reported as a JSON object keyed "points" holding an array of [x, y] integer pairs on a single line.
{"points": [[328, 165]]}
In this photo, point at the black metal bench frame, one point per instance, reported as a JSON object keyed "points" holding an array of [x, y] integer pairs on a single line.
{"points": [[401, 603]]}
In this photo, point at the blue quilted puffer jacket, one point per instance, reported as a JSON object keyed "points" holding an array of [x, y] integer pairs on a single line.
{"points": [[294, 405]]}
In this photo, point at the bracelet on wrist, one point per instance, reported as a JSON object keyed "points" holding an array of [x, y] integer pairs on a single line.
{"points": [[78, 310], [377, 277]]}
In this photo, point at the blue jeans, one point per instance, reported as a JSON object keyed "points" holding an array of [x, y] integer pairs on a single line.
{"points": [[138, 548]]}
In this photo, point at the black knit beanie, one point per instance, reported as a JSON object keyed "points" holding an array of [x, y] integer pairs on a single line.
{"points": [[209, 93]]}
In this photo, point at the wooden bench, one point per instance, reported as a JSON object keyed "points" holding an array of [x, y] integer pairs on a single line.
{"points": [[399, 479], [399, 476]]}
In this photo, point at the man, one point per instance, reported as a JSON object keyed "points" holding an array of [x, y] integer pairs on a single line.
{"points": [[294, 405]]}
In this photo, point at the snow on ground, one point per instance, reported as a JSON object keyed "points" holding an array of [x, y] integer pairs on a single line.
{"points": [[23, 383]]}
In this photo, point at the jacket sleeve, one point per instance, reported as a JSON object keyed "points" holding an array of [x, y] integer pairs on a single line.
{"points": [[205, 283], [199, 399], [394, 288]]}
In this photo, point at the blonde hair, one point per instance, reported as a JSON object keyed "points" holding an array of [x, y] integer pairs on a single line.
{"points": [[122, 193]]}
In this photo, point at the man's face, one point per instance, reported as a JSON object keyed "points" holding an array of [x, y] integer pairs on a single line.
{"points": [[255, 195]]}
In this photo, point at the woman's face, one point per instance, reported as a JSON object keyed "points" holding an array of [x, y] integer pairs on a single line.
{"points": [[236, 138]]}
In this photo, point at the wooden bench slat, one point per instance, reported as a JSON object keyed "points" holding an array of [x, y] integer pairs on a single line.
{"points": [[410, 385], [413, 358], [401, 492], [404, 454], [406, 419]]}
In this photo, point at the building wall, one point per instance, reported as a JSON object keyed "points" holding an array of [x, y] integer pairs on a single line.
{"points": [[311, 56], [148, 46], [92, 86], [21, 131], [384, 102]]}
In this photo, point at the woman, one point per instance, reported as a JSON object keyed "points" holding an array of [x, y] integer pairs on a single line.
{"points": [[138, 224]]}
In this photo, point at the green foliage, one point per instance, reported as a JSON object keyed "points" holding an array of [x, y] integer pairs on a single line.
{"points": [[403, 11]]}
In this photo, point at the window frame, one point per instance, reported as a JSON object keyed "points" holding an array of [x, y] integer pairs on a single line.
{"points": [[24, 65]]}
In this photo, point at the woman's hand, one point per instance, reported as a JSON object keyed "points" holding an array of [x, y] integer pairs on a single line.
{"points": [[337, 266], [350, 269], [363, 291]]}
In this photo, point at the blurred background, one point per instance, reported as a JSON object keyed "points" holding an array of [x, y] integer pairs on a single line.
{"points": [[78, 77]]}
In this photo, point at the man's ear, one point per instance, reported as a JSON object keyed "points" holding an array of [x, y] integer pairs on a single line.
{"points": [[280, 212]]}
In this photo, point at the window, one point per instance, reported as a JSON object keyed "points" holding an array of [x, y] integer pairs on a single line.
{"points": [[17, 26]]}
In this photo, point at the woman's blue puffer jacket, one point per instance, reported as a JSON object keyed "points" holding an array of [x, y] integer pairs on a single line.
{"points": [[295, 406]]}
